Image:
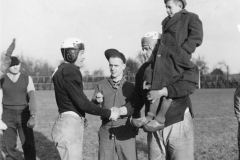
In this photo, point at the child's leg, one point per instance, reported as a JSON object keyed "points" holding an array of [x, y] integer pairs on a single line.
{"points": [[150, 115], [163, 110], [159, 120], [153, 110]]}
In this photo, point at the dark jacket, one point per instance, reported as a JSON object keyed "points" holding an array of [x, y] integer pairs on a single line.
{"points": [[181, 34], [179, 91]]}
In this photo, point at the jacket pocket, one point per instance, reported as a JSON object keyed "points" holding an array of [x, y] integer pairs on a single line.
{"points": [[183, 59]]}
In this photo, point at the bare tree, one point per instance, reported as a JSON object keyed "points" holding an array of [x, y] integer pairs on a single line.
{"points": [[202, 68], [35, 67], [202, 64], [98, 73], [222, 63], [86, 73], [132, 66]]}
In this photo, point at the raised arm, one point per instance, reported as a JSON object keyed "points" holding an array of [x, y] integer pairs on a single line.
{"points": [[7, 60]]}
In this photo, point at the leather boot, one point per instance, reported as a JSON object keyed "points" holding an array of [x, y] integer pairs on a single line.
{"points": [[159, 121], [139, 122]]}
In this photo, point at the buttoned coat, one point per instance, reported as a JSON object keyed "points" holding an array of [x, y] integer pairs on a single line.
{"points": [[181, 34]]}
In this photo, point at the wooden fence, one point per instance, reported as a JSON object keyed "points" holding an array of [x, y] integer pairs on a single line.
{"points": [[207, 81]]}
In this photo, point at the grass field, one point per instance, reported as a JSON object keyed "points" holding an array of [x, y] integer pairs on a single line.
{"points": [[215, 127]]}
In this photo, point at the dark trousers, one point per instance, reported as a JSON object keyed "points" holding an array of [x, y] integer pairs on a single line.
{"points": [[238, 141], [16, 121], [121, 147]]}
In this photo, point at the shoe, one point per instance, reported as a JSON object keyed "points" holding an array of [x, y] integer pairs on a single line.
{"points": [[153, 126], [138, 122]]}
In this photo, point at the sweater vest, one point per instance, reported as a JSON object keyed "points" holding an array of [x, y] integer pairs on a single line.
{"points": [[115, 98], [15, 93]]}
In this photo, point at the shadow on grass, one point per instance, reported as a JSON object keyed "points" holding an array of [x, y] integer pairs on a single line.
{"points": [[45, 148], [142, 147]]}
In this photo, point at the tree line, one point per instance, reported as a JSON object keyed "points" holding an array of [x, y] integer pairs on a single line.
{"points": [[34, 67], [38, 67]]}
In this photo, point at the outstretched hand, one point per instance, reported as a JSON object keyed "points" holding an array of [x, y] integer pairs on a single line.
{"points": [[114, 113]]}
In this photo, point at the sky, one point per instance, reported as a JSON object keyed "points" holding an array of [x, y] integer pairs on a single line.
{"points": [[40, 26]]}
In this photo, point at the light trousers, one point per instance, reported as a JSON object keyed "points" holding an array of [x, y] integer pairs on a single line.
{"points": [[175, 142], [67, 134]]}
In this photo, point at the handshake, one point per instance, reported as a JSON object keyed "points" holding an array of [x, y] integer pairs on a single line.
{"points": [[115, 111]]}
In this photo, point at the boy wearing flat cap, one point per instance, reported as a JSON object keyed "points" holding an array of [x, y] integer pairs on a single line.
{"points": [[19, 108], [116, 138]]}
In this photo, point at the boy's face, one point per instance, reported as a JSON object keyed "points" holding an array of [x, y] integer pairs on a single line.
{"points": [[116, 67], [15, 69], [80, 59], [147, 51], [172, 8]]}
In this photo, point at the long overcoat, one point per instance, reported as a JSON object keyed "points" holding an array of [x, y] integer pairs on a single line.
{"points": [[181, 34]]}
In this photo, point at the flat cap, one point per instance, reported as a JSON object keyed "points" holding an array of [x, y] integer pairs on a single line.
{"points": [[114, 53], [14, 61]]}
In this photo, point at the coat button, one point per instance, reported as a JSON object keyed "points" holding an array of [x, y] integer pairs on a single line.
{"points": [[162, 44], [173, 43], [159, 55], [174, 31]]}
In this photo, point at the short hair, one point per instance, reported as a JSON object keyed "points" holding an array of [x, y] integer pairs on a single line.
{"points": [[178, 2]]}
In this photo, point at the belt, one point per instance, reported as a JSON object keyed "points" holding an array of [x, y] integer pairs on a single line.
{"points": [[71, 113]]}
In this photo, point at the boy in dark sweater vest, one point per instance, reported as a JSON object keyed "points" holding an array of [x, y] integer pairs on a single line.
{"points": [[19, 108]]}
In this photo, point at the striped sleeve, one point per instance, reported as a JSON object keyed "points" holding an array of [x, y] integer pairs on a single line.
{"points": [[237, 102]]}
